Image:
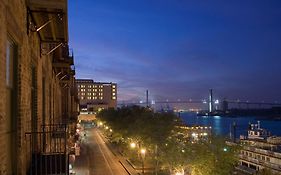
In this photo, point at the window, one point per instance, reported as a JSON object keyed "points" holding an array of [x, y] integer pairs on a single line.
{"points": [[11, 100], [10, 52], [113, 86], [113, 98], [113, 90], [113, 94]]}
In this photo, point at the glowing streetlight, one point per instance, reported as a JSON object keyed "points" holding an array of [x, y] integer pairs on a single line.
{"points": [[133, 145], [106, 127], [100, 124], [181, 172], [143, 151]]}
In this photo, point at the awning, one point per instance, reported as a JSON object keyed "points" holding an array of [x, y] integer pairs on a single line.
{"points": [[49, 19]]}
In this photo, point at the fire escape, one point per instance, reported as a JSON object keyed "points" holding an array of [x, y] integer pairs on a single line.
{"points": [[47, 146]]}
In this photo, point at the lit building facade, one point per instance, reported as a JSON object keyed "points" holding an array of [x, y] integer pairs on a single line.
{"points": [[260, 152], [94, 96]]}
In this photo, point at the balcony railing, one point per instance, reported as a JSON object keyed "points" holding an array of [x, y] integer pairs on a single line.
{"points": [[47, 150]]}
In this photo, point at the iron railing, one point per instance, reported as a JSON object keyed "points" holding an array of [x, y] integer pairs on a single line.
{"points": [[47, 150]]}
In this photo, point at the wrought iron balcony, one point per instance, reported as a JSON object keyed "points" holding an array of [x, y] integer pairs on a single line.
{"points": [[47, 150]]}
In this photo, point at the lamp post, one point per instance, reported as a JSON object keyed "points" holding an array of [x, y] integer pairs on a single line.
{"points": [[133, 145], [143, 151]]}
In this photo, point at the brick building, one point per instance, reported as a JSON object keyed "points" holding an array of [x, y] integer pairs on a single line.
{"points": [[96, 95], [38, 103]]}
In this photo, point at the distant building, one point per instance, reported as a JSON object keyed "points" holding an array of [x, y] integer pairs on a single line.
{"points": [[196, 132], [95, 96], [260, 152]]}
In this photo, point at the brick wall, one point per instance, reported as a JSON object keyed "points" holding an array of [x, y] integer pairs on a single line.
{"points": [[13, 24]]}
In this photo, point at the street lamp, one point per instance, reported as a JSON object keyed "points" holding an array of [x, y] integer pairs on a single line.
{"points": [[143, 151], [133, 145]]}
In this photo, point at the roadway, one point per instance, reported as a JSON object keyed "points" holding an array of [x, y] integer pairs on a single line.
{"points": [[97, 159]]}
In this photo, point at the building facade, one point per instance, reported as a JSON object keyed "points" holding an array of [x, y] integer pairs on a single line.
{"points": [[260, 152], [39, 100], [94, 96]]}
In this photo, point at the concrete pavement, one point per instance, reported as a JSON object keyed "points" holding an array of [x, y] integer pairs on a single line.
{"points": [[97, 159]]}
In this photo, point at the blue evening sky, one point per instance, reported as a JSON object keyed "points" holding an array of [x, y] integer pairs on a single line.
{"points": [[178, 49]]}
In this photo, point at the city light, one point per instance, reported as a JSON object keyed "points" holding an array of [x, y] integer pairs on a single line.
{"points": [[179, 172], [133, 145], [143, 151], [194, 135]]}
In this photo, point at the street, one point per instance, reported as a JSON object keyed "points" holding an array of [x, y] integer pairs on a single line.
{"points": [[96, 158]]}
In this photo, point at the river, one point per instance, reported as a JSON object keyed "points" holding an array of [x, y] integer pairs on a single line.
{"points": [[221, 125]]}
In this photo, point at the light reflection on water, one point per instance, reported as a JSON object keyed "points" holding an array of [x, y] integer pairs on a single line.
{"points": [[221, 125]]}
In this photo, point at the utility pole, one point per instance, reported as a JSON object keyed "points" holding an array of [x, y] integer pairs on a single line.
{"points": [[147, 99]]}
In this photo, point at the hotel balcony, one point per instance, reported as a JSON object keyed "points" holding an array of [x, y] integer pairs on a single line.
{"points": [[48, 18], [47, 150]]}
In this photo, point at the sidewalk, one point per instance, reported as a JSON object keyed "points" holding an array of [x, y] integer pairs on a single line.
{"points": [[122, 160]]}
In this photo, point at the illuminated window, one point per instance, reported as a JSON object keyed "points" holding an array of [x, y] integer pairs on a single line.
{"points": [[113, 90], [113, 93], [89, 86], [114, 98], [113, 86]]}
